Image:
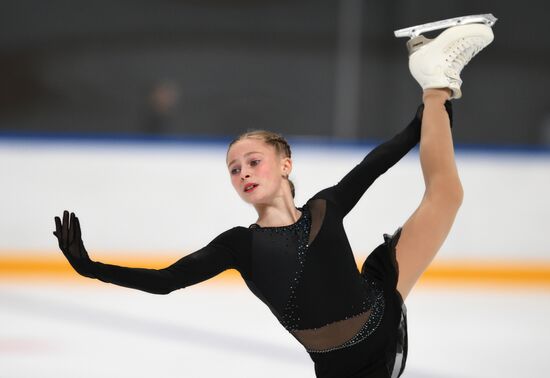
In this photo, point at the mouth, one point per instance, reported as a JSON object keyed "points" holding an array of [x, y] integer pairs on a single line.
{"points": [[250, 188]]}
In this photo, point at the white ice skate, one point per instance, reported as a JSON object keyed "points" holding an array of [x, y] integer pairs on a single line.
{"points": [[438, 62]]}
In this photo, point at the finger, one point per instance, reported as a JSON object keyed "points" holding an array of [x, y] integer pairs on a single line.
{"points": [[57, 237], [65, 228], [57, 231], [57, 226], [71, 229], [78, 235]]}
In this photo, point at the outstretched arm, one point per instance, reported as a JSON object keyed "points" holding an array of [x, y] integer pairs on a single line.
{"points": [[189, 270], [349, 190]]}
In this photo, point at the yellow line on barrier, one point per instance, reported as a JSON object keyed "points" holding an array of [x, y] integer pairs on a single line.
{"points": [[53, 266]]}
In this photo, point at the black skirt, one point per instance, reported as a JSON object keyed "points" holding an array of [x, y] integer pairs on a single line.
{"points": [[384, 353]]}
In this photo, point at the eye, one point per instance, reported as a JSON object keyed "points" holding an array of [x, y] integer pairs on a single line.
{"points": [[254, 162], [234, 171]]}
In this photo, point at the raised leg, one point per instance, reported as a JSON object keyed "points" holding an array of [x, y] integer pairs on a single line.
{"points": [[425, 231]]}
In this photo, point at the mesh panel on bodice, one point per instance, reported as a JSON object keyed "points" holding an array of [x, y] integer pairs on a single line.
{"points": [[318, 294]]}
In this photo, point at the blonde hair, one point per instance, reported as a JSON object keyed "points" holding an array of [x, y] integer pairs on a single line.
{"points": [[273, 139]]}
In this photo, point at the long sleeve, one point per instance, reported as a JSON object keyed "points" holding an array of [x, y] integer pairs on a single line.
{"points": [[351, 188], [196, 267]]}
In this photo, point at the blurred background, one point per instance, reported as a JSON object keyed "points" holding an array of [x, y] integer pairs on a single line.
{"points": [[329, 69], [122, 111]]}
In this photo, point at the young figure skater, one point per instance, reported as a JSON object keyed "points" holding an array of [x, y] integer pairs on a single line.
{"points": [[298, 260]]}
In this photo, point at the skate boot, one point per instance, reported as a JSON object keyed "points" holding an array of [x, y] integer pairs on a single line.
{"points": [[438, 62]]}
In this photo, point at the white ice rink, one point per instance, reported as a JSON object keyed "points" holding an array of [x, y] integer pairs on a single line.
{"points": [[80, 328]]}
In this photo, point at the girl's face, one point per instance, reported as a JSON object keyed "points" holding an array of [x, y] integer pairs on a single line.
{"points": [[257, 171]]}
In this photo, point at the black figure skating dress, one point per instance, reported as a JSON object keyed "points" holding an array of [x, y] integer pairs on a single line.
{"points": [[352, 323]]}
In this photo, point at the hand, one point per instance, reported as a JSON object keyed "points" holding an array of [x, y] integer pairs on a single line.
{"points": [[70, 242]]}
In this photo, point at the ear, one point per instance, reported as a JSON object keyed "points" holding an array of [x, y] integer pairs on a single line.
{"points": [[286, 166]]}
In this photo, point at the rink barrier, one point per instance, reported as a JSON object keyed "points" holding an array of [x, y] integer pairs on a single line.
{"points": [[453, 272], [139, 180]]}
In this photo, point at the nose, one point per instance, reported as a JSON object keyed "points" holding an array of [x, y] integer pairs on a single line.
{"points": [[244, 176]]}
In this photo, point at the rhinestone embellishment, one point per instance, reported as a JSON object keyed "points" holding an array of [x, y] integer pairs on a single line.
{"points": [[370, 325], [374, 294], [299, 231]]}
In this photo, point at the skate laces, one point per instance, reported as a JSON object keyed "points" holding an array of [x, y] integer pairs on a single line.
{"points": [[461, 53]]}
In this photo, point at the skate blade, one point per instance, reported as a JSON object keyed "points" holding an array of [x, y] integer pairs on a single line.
{"points": [[415, 31]]}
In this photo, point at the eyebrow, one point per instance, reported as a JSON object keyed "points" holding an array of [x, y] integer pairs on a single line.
{"points": [[248, 153]]}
